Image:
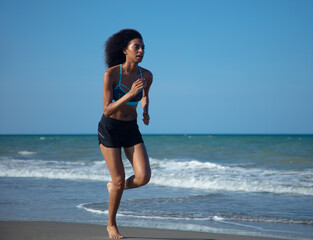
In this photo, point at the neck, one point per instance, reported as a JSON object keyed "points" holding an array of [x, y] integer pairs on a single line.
{"points": [[129, 67]]}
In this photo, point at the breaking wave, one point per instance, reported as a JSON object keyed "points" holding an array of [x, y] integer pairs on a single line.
{"points": [[172, 173]]}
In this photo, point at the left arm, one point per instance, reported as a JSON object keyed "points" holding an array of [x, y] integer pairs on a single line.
{"points": [[145, 98]]}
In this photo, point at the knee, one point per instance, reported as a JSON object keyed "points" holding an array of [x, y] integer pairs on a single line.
{"points": [[144, 178], [118, 184]]}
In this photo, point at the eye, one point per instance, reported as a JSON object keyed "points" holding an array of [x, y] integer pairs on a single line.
{"points": [[137, 47]]}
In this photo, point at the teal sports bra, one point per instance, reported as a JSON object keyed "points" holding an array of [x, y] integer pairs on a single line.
{"points": [[118, 92]]}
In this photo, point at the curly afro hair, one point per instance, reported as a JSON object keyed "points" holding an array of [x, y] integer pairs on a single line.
{"points": [[115, 45]]}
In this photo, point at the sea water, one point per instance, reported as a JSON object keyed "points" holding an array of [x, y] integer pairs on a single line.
{"points": [[258, 185]]}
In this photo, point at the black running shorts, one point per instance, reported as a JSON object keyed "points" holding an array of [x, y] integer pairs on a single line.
{"points": [[114, 133]]}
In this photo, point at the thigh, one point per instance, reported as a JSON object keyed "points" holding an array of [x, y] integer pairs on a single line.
{"points": [[113, 159], [138, 157]]}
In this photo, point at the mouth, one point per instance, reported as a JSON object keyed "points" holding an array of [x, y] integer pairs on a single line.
{"points": [[139, 56]]}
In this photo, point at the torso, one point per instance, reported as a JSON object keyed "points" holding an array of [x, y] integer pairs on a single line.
{"points": [[121, 89], [127, 112]]}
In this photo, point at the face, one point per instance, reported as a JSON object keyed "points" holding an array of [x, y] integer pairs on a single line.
{"points": [[135, 50]]}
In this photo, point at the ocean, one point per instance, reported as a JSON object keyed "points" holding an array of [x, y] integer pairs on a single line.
{"points": [[256, 185]]}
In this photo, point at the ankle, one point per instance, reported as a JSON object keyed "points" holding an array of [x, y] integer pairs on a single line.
{"points": [[111, 224]]}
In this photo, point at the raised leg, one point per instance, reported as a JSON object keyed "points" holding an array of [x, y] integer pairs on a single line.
{"points": [[138, 157]]}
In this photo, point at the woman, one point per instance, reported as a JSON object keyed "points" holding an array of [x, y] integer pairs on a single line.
{"points": [[124, 85]]}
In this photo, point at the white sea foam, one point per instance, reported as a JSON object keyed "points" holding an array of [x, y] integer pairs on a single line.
{"points": [[233, 220], [211, 176], [26, 153], [82, 206], [133, 214], [218, 218], [173, 173], [53, 169]]}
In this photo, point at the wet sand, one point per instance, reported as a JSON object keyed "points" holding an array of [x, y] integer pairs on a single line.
{"points": [[18, 230]]}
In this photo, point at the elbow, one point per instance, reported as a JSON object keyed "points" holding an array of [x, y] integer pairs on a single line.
{"points": [[106, 112], [106, 115]]}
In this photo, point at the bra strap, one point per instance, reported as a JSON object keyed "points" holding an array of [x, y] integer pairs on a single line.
{"points": [[121, 73], [140, 72]]}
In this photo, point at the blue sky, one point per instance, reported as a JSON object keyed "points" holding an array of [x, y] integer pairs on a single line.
{"points": [[218, 66]]}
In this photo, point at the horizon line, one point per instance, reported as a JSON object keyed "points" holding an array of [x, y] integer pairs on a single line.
{"points": [[156, 134]]}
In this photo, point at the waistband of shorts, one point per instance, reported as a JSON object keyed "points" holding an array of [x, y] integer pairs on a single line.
{"points": [[116, 121]]}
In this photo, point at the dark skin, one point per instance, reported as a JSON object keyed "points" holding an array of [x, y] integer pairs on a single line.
{"points": [[131, 78], [137, 155]]}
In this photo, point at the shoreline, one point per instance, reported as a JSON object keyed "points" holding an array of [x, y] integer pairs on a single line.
{"points": [[36, 230]]}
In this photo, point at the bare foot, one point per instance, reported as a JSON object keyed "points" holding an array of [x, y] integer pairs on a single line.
{"points": [[113, 232]]}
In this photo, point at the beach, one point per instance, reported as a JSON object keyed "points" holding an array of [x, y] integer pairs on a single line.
{"points": [[76, 231], [241, 185]]}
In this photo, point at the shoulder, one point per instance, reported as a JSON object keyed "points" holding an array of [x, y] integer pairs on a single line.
{"points": [[146, 73], [112, 73]]}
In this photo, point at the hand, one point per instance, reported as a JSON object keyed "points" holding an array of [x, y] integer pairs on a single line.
{"points": [[146, 118], [138, 85]]}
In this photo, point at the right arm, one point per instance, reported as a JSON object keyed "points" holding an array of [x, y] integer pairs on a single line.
{"points": [[110, 107]]}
